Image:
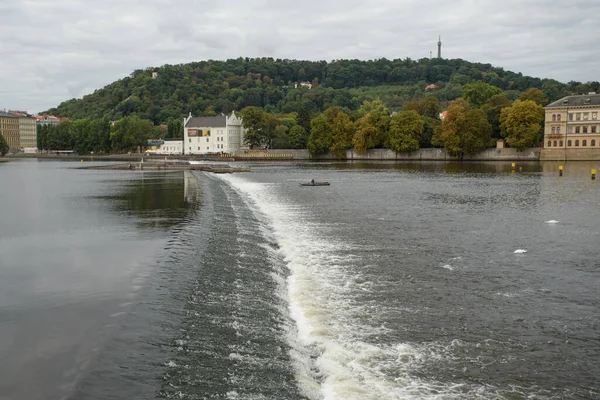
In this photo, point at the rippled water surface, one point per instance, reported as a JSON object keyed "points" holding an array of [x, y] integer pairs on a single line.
{"points": [[398, 281]]}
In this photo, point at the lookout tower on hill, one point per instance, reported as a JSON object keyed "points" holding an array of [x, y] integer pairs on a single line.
{"points": [[439, 47]]}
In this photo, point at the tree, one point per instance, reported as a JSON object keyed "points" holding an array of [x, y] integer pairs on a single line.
{"points": [[522, 123], [297, 137], [319, 141], [3, 146], [479, 92], [492, 109], [535, 95], [427, 107], [465, 131], [405, 131], [253, 120], [129, 133], [372, 127], [174, 128], [342, 133]]}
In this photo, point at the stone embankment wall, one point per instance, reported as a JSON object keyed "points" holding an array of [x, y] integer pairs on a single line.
{"points": [[589, 154], [422, 155]]}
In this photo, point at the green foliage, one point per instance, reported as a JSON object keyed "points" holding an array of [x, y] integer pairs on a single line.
{"points": [[535, 95], [3, 146], [431, 126], [255, 123], [297, 137], [479, 92], [174, 128], [342, 133], [465, 131], [521, 123], [427, 107], [492, 109], [371, 127], [405, 132], [319, 141], [130, 133], [212, 87]]}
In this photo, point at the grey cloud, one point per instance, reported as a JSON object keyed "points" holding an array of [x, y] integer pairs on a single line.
{"points": [[52, 51]]}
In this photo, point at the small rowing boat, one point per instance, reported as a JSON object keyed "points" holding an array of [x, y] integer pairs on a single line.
{"points": [[315, 184]]}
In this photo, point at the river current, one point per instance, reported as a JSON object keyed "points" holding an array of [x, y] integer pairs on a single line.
{"points": [[398, 281]]}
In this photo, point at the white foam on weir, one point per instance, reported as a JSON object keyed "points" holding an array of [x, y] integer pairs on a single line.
{"points": [[330, 350]]}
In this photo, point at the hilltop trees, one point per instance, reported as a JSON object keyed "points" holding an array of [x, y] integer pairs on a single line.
{"points": [[522, 123], [212, 87], [371, 127]]}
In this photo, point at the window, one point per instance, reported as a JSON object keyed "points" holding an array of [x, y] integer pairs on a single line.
{"points": [[560, 143], [549, 143], [558, 129], [555, 143], [594, 115], [585, 129], [577, 143], [190, 140], [569, 129], [207, 147], [553, 130], [593, 143], [553, 117], [584, 143], [198, 147], [206, 140], [570, 116], [190, 149], [594, 129], [577, 129], [558, 117], [569, 143], [578, 117], [585, 116]]}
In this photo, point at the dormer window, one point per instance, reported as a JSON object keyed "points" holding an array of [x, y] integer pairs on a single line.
{"points": [[565, 102], [587, 101]]}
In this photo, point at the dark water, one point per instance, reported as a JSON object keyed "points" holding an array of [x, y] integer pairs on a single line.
{"points": [[397, 281]]}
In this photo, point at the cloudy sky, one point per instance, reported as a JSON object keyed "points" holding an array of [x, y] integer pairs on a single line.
{"points": [[54, 50]]}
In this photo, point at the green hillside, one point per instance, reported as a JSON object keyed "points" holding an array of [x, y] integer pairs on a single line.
{"points": [[207, 87]]}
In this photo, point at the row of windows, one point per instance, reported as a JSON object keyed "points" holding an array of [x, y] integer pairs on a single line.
{"points": [[570, 143], [582, 129], [579, 116]]}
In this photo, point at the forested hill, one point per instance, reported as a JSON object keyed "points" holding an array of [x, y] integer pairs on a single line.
{"points": [[209, 87]]}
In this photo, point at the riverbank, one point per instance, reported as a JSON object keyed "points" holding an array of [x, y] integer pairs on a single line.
{"points": [[154, 165]]}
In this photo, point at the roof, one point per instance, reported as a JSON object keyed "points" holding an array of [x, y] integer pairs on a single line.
{"points": [[579, 100], [7, 115], [207, 122]]}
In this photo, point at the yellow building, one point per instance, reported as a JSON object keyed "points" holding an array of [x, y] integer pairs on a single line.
{"points": [[9, 128], [573, 122], [27, 131]]}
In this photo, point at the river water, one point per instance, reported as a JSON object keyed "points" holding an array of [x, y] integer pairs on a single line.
{"points": [[398, 281]]}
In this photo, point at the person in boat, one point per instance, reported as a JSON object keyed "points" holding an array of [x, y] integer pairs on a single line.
{"points": [[312, 181]]}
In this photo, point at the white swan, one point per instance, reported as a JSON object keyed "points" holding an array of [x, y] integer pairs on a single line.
{"points": [[520, 251], [552, 221]]}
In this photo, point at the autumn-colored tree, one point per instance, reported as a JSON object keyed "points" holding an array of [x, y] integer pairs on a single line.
{"points": [[405, 131], [465, 131], [478, 93], [342, 133], [522, 123], [535, 95]]}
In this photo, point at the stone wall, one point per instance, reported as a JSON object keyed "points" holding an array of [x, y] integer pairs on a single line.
{"points": [[555, 154]]}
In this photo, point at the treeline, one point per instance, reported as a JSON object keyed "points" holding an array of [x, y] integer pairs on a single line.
{"points": [[103, 136], [471, 124], [212, 87]]}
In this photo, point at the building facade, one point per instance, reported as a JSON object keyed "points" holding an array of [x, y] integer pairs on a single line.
{"points": [[220, 134], [171, 146], [573, 122], [9, 128], [27, 131]]}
